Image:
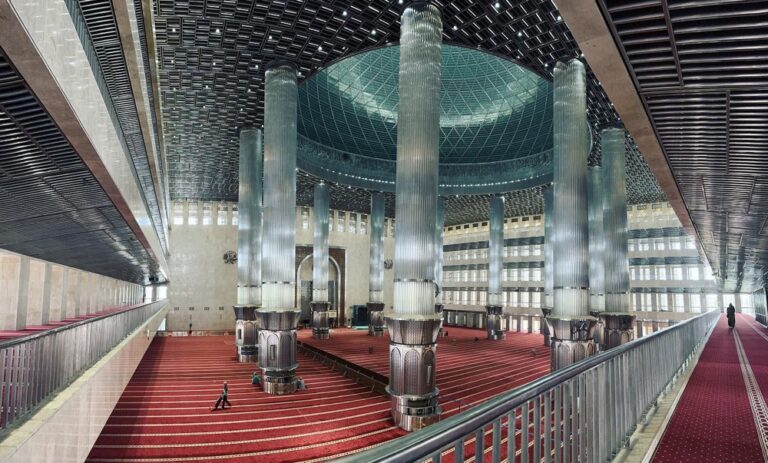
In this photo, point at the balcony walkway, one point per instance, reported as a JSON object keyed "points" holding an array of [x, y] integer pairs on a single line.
{"points": [[721, 416]]}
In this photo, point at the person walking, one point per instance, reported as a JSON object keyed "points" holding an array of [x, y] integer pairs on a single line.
{"points": [[222, 399], [730, 313]]}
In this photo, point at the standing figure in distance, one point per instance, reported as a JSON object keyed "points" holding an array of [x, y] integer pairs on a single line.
{"points": [[730, 312], [222, 399]]}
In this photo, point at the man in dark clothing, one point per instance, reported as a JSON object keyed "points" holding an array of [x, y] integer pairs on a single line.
{"points": [[730, 312], [222, 399]]}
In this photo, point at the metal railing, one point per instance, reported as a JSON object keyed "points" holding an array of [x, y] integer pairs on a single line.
{"points": [[583, 413], [33, 367]]}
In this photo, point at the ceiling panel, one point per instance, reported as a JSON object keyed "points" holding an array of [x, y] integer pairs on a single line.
{"points": [[51, 206], [701, 68]]}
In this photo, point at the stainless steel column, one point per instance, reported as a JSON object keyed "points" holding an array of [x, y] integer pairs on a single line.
{"points": [[413, 325], [320, 304], [570, 324], [278, 315], [248, 245], [439, 234], [618, 322], [596, 248], [376, 325], [549, 273], [495, 318]]}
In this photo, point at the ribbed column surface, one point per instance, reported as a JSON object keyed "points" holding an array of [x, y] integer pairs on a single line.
{"points": [[549, 273], [495, 250], [376, 261], [279, 249], [320, 244], [439, 235], [418, 131], [615, 221], [596, 239], [249, 218], [571, 148]]}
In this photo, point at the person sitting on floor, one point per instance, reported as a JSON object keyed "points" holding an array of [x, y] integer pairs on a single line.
{"points": [[300, 384], [255, 378], [222, 399]]}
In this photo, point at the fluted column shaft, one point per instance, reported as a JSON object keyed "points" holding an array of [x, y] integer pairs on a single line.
{"points": [[596, 240], [439, 235], [549, 273], [615, 221], [376, 325], [278, 315], [320, 244], [494, 317], [376, 262], [248, 244], [570, 325], [249, 218], [619, 324], [495, 250], [320, 304], [413, 325]]}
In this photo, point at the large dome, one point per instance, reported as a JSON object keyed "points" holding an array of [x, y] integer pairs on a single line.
{"points": [[495, 122]]}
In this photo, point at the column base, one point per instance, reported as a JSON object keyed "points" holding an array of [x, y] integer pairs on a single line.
{"points": [[619, 328], [279, 382], [412, 353], [571, 340], [415, 412], [545, 312], [277, 350], [494, 322], [376, 323], [320, 322], [246, 333]]}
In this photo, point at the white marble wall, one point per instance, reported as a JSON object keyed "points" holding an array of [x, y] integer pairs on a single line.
{"points": [[200, 278], [64, 430]]}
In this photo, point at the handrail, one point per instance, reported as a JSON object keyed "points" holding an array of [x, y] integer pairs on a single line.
{"points": [[34, 367], [450, 433]]}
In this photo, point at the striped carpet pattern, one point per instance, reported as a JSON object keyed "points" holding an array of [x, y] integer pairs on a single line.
{"points": [[163, 414], [713, 421], [468, 371]]}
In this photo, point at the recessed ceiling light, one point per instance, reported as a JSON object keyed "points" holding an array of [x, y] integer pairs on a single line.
{"points": [[173, 30], [270, 37], [344, 13], [320, 48], [559, 18], [218, 31], [373, 32], [497, 5], [256, 67], [455, 27], [519, 34]]}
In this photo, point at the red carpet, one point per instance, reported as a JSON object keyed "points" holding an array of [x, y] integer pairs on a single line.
{"points": [[713, 421], [34, 329], [468, 371], [163, 414]]}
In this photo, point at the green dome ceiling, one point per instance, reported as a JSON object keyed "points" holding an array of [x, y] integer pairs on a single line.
{"points": [[492, 109]]}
